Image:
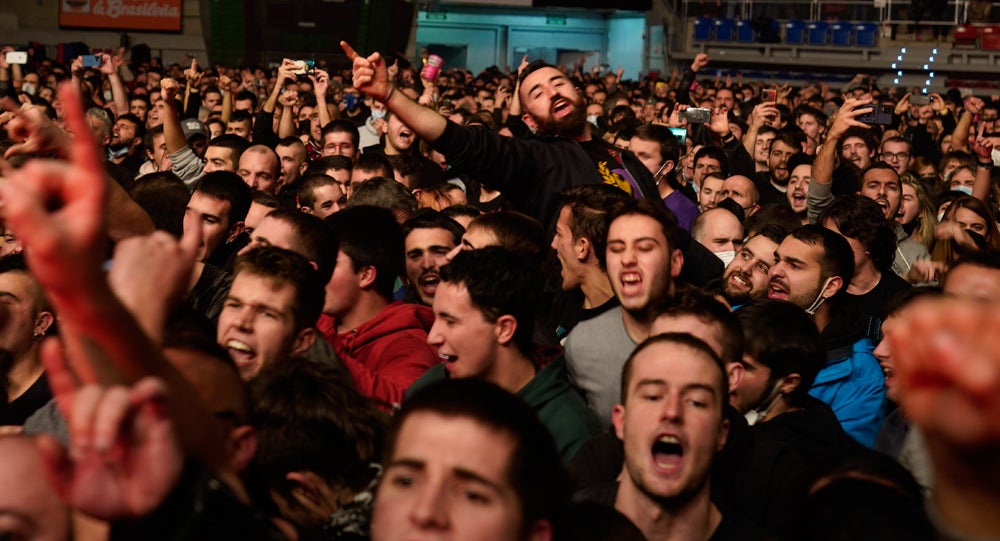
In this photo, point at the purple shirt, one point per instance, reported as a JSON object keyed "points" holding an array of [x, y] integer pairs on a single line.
{"points": [[682, 207]]}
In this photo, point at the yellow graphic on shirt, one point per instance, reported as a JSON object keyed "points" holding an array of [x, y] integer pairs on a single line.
{"points": [[613, 178]]}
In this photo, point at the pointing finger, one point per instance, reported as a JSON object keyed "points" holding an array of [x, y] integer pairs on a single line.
{"points": [[351, 53]]}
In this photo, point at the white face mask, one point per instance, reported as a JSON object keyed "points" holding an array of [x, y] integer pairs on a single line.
{"points": [[996, 157], [592, 119], [29, 88], [378, 113], [757, 414], [727, 257], [941, 216], [820, 299], [967, 190], [108, 96]]}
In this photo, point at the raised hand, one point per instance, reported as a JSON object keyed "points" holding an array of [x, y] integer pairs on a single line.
{"points": [[846, 117], [57, 209], [947, 354], [369, 75], [124, 456], [321, 82], [169, 89], [36, 133]]}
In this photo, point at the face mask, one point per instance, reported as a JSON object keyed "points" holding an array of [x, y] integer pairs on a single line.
{"points": [[29, 88], [378, 114], [108, 96], [941, 216], [592, 119], [757, 414], [967, 190], [727, 257], [819, 298], [996, 157]]}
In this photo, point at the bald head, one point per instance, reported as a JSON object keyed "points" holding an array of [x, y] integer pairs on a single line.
{"points": [[718, 230], [742, 190], [259, 168]]}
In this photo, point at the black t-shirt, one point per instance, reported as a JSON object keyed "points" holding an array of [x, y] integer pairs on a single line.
{"points": [[17, 411], [872, 304], [768, 193]]}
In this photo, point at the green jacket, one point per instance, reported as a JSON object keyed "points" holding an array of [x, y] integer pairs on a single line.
{"points": [[559, 406]]}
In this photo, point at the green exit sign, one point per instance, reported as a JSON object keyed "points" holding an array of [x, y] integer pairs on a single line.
{"points": [[437, 16], [557, 20]]}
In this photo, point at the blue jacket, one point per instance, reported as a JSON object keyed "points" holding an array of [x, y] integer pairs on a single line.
{"points": [[853, 385]]}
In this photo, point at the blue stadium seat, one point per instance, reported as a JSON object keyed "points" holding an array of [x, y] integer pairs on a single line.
{"points": [[841, 34], [702, 29], [865, 34], [818, 32], [795, 32], [724, 29], [744, 31]]}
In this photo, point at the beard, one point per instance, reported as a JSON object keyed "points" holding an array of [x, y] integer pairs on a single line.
{"points": [[570, 125]]}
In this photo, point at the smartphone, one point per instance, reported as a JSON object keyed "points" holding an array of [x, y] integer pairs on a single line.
{"points": [[304, 67], [697, 115], [91, 61], [16, 57], [877, 115], [680, 133], [769, 95], [920, 99]]}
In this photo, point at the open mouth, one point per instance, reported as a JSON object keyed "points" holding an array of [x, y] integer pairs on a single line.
{"points": [[561, 106], [667, 453], [740, 281], [241, 352], [429, 283], [448, 360], [777, 290], [631, 283]]}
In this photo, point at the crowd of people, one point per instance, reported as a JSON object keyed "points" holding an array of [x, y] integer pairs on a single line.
{"points": [[539, 303]]}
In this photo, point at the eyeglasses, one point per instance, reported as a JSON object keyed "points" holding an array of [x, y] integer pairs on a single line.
{"points": [[896, 155]]}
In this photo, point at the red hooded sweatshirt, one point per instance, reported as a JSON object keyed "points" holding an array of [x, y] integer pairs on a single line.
{"points": [[388, 352]]}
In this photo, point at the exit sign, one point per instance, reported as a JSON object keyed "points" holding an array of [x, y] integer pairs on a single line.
{"points": [[557, 20], [437, 16]]}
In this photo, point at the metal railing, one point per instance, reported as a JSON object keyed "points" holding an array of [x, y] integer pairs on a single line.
{"points": [[882, 11]]}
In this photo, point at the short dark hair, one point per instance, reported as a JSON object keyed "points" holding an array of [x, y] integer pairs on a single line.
{"points": [[877, 166], [147, 140], [266, 199], [591, 207], [499, 283], [716, 154], [455, 211], [313, 238], [309, 418], [898, 302], [310, 182], [227, 186], [370, 236], [164, 197], [375, 163], [139, 126], [859, 217], [237, 145], [837, 258], [383, 192], [776, 214], [241, 116], [516, 232], [287, 267], [670, 148], [324, 164], [432, 219], [668, 222], [534, 470], [685, 340], [340, 125], [782, 337], [696, 302], [244, 95]]}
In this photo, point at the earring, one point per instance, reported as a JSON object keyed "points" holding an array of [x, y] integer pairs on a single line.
{"points": [[38, 335]]}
